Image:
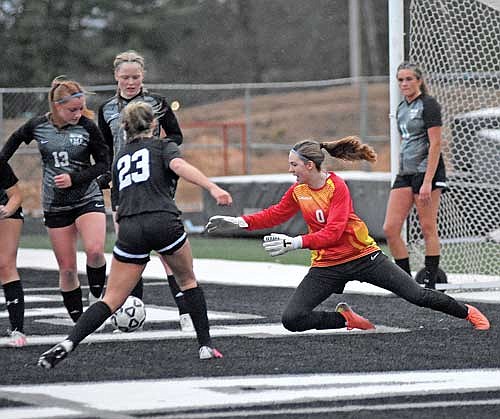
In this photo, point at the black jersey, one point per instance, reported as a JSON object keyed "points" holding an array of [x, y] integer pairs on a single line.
{"points": [[64, 150], [110, 120], [414, 119], [143, 178], [7, 180]]}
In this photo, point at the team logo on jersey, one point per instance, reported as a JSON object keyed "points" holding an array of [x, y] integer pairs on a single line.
{"points": [[76, 139], [414, 113]]}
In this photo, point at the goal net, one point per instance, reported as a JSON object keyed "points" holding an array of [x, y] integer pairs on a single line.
{"points": [[457, 43]]}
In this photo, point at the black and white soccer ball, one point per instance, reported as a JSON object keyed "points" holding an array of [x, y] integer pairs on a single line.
{"points": [[130, 316]]}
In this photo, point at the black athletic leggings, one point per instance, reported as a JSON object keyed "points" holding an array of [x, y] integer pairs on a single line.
{"points": [[376, 269]]}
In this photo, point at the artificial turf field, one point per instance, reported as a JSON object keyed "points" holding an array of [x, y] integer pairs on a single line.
{"points": [[417, 364]]}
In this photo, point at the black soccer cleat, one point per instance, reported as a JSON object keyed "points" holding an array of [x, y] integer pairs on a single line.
{"points": [[53, 356]]}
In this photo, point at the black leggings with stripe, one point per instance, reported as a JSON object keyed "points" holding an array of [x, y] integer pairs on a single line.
{"points": [[375, 269]]}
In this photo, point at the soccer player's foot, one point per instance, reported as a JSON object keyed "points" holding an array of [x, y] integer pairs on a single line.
{"points": [[206, 352], [55, 354], [478, 319], [185, 323], [353, 320], [17, 339]]}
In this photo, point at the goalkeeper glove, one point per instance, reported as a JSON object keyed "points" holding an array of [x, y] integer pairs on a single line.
{"points": [[224, 223], [278, 244]]}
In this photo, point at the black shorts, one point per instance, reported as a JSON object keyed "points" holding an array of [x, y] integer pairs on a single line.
{"points": [[138, 235], [66, 218], [416, 180]]}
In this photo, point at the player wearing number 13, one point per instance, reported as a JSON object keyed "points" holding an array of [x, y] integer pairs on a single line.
{"points": [[73, 204], [341, 247]]}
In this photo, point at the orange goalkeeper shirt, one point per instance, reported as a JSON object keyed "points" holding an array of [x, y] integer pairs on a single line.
{"points": [[335, 233]]}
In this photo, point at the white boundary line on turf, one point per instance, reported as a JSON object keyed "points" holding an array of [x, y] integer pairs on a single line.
{"points": [[256, 331], [227, 272], [197, 397]]}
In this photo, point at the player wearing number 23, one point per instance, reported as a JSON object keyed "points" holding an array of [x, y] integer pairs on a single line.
{"points": [[73, 204], [341, 247], [149, 220]]}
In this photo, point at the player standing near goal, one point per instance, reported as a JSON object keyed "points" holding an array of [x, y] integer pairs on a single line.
{"points": [[11, 223], [144, 171], [72, 202], [422, 176], [129, 75], [342, 249]]}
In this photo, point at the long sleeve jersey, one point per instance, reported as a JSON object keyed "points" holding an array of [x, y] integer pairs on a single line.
{"points": [[335, 233], [110, 120], [69, 150]]}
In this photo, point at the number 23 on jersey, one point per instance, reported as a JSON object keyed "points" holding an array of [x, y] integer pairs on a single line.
{"points": [[133, 168]]}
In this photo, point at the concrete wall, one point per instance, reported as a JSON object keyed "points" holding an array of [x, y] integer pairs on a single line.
{"points": [[369, 192]]}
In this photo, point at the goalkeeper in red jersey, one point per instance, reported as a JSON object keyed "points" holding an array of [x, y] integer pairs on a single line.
{"points": [[341, 247]]}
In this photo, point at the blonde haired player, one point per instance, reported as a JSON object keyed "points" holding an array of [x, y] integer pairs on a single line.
{"points": [[129, 72], [149, 220]]}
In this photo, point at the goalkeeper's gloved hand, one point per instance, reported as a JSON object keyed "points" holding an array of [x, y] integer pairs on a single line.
{"points": [[277, 244], [224, 223], [103, 180]]}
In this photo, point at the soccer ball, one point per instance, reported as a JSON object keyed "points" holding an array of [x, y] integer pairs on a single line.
{"points": [[130, 316]]}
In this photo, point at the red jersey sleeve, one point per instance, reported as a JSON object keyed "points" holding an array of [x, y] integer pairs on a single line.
{"points": [[276, 214]]}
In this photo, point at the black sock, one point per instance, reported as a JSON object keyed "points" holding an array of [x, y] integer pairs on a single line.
{"points": [[73, 303], [177, 294], [96, 278], [197, 306], [404, 264], [138, 290], [93, 317], [431, 269], [14, 299]]}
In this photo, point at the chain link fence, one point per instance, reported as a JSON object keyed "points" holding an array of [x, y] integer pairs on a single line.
{"points": [[232, 129]]}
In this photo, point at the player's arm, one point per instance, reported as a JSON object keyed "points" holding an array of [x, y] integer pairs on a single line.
{"points": [[15, 200], [193, 175], [338, 216], [168, 123], [23, 134], [432, 121], [274, 215], [106, 132], [8, 182], [99, 151]]}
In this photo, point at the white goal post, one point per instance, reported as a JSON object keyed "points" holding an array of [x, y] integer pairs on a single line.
{"points": [[457, 43]]}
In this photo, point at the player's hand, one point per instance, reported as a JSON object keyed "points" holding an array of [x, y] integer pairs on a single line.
{"points": [[224, 223], [277, 244], [4, 213], [221, 196], [63, 181], [104, 180]]}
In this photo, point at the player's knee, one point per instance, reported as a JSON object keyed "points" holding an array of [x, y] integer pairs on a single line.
{"points": [[390, 231], [95, 255], [292, 321], [7, 269], [429, 228]]}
